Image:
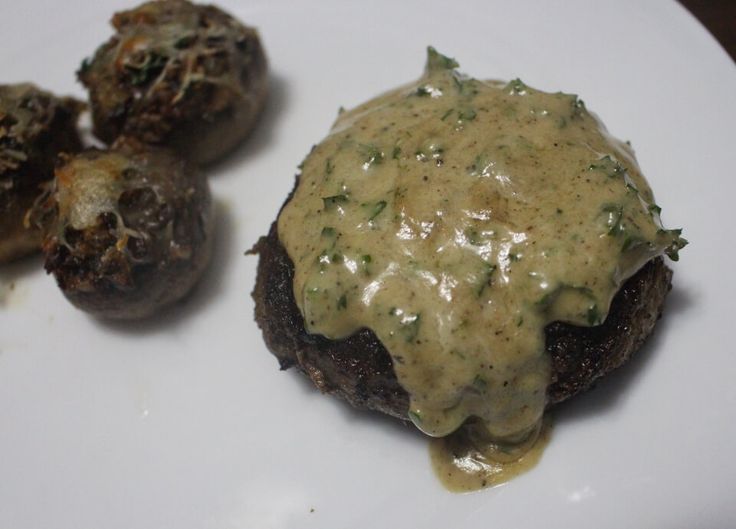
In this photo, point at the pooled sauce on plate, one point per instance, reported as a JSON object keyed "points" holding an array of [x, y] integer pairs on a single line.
{"points": [[470, 460], [456, 218]]}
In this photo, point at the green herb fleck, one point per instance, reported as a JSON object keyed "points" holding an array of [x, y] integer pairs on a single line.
{"points": [[479, 383], [631, 241], [377, 209], [329, 166], [480, 166], [608, 166], [474, 237], [466, 115], [332, 202], [84, 67], [365, 261], [593, 315], [578, 107], [409, 325], [415, 416], [545, 300], [516, 87], [485, 279], [437, 61], [372, 155], [328, 232], [342, 303], [677, 244]]}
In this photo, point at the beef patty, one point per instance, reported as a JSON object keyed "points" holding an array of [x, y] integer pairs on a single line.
{"points": [[359, 368]]}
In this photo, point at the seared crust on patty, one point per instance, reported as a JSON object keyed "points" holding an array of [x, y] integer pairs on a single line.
{"points": [[359, 368]]}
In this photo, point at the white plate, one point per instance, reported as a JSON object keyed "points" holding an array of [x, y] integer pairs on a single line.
{"points": [[186, 421]]}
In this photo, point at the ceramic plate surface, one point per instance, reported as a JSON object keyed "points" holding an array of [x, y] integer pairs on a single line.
{"points": [[186, 422]]}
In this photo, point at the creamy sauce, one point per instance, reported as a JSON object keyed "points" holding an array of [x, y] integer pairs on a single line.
{"points": [[456, 218], [469, 459]]}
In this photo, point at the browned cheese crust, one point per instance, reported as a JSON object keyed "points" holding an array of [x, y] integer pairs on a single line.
{"points": [[35, 126], [359, 369], [148, 241], [187, 76]]}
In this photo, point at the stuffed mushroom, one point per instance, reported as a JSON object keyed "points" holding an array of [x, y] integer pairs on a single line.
{"points": [[35, 126], [178, 74], [127, 231]]}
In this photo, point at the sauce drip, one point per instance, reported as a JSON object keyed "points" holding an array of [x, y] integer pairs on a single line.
{"points": [[456, 218], [469, 460]]}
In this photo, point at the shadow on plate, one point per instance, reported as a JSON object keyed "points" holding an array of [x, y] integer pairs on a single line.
{"points": [[12, 274], [352, 415], [23, 267], [608, 391], [263, 133]]}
